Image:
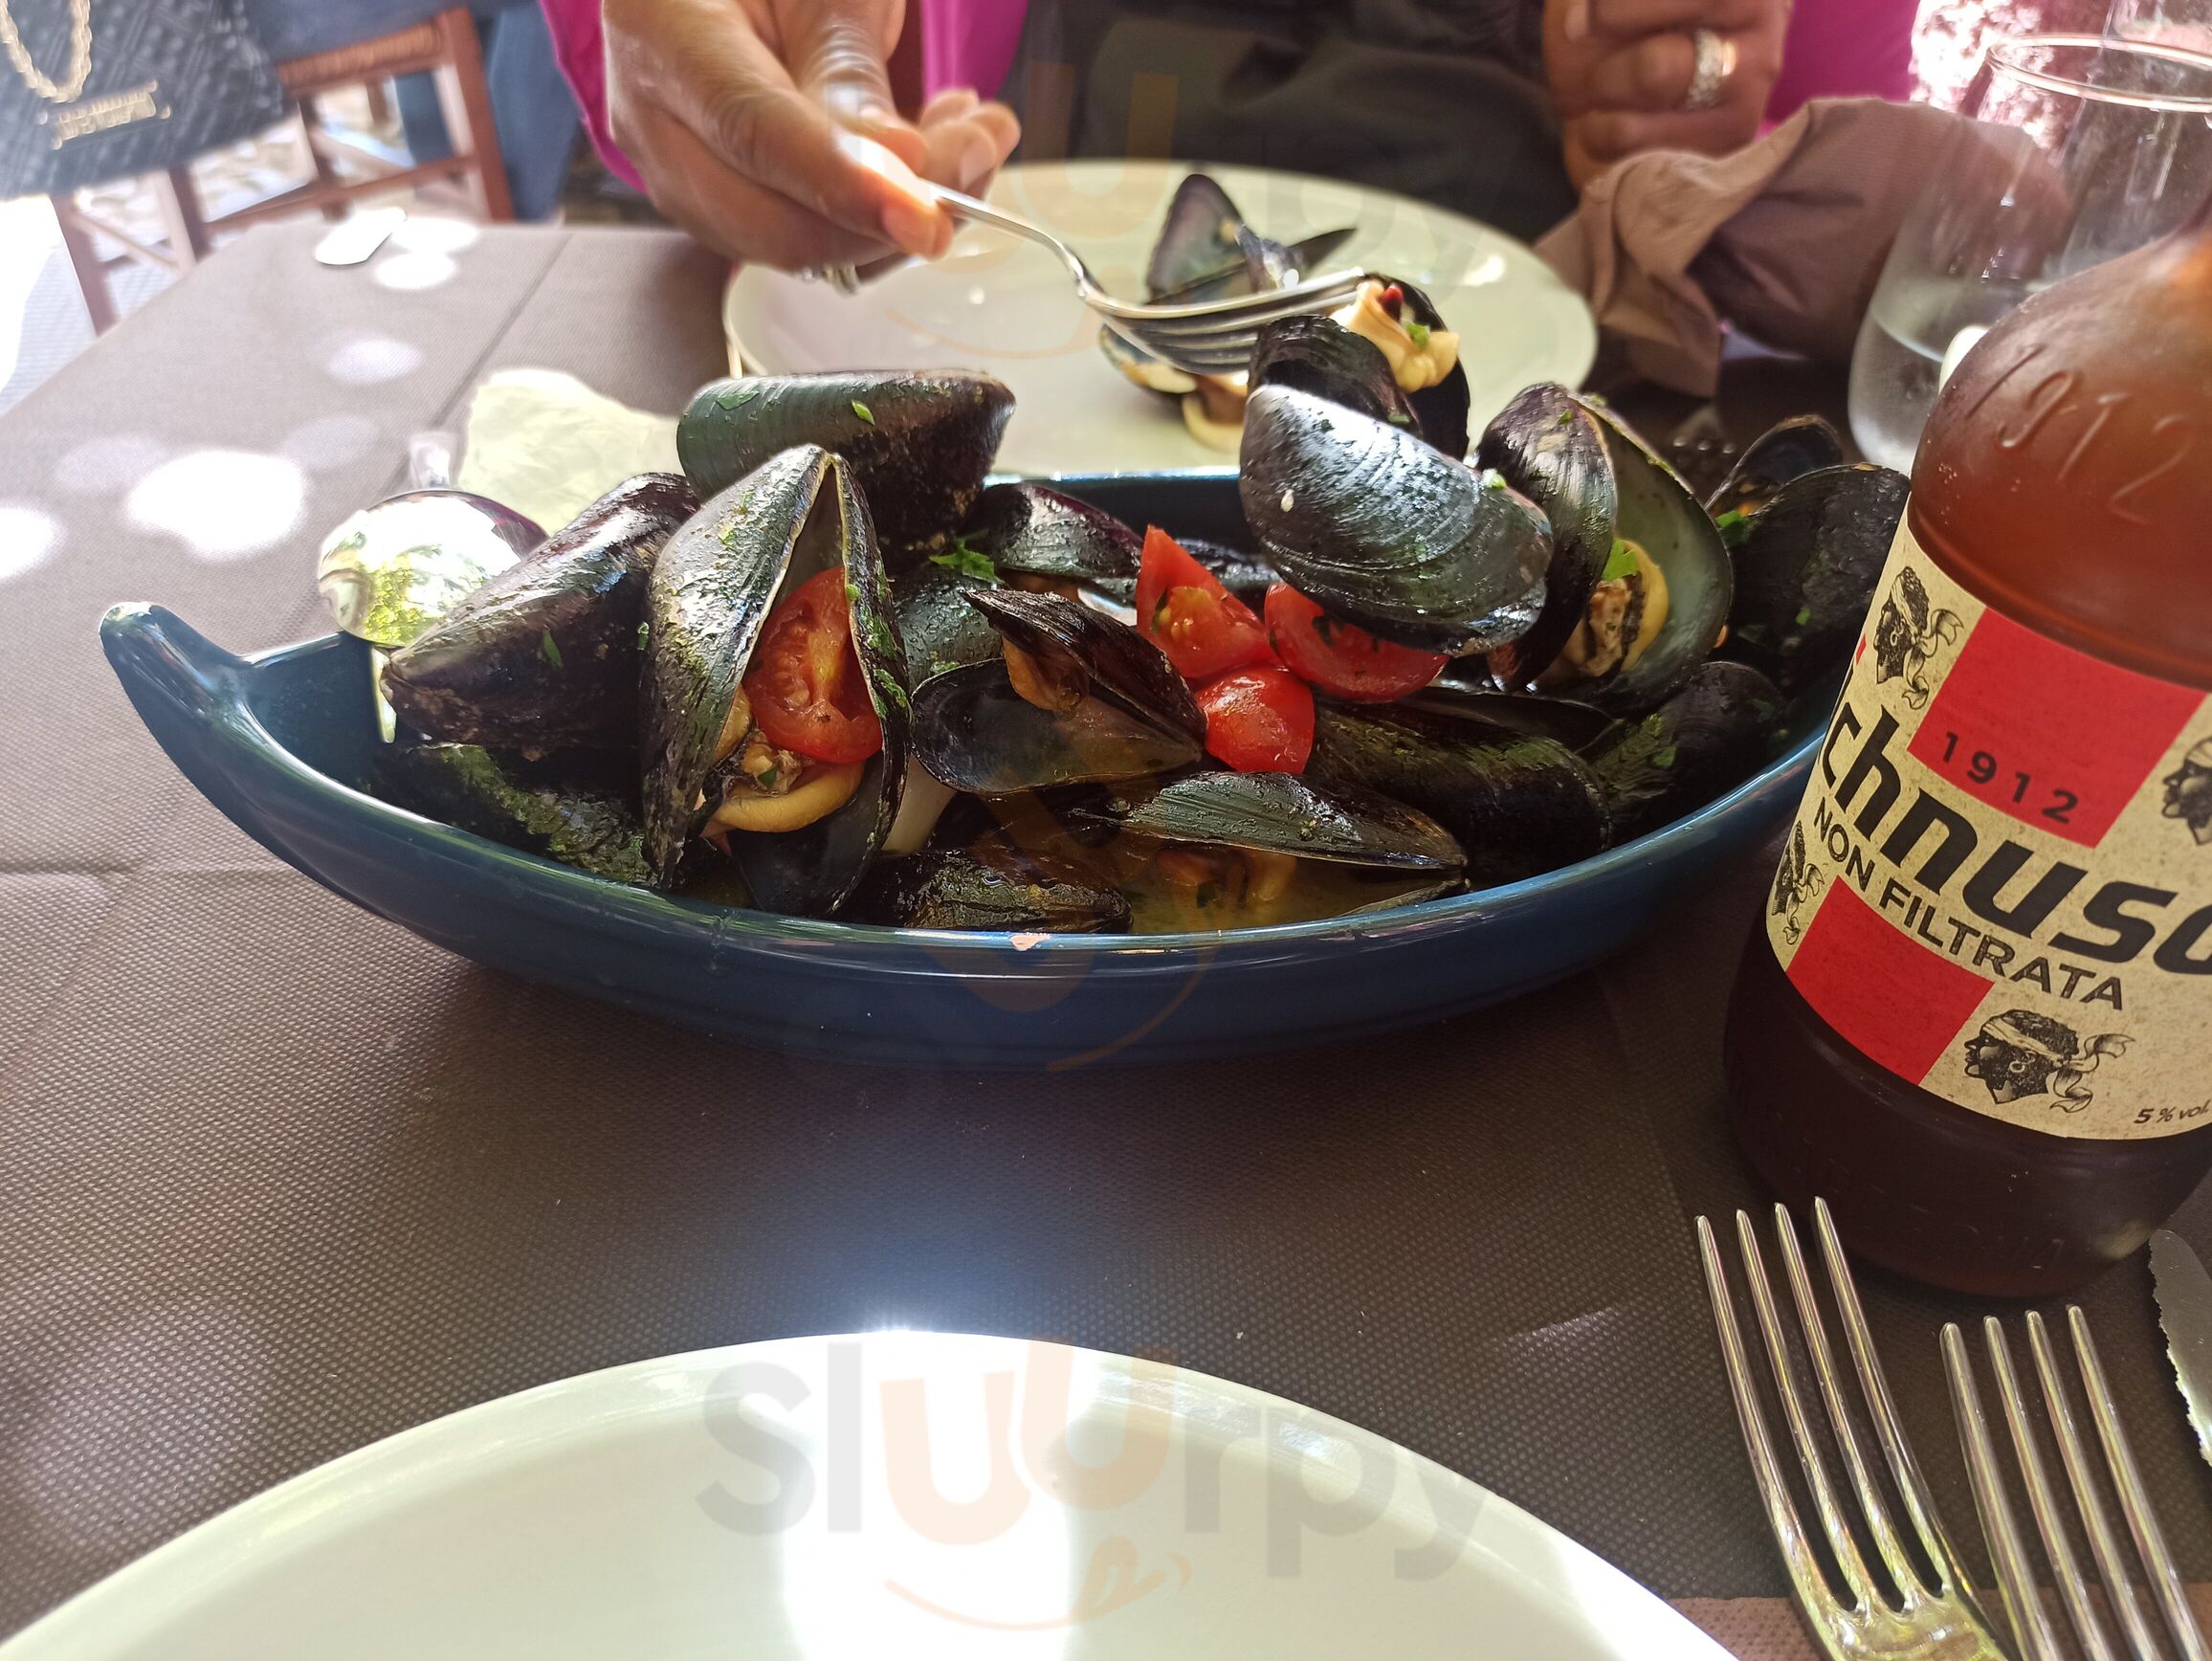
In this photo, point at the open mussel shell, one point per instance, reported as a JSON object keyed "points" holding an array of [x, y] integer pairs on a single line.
{"points": [[391, 571], [1030, 530], [1562, 719], [1320, 355], [1548, 446], [713, 587], [546, 654], [990, 886], [1786, 451], [919, 443], [1443, 408], [1518, 804], [1712, 734], [940, 629], [1285, 813], [1384, 531], [1121, 711], [1806, 568], [1655, 510], [579, 809]]}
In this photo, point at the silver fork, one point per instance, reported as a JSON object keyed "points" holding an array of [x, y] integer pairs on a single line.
{"points": [[2016, 1580], [1205, 338], [1915, 1617]]}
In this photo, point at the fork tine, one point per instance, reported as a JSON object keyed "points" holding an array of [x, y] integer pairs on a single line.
{"points": [[2042, 1501], [2120, 1589], [2015, 1581], [1882, 1408], [2127, 1484], [1816, 1472], [1247, 311], [1810, 1584], [1886, 1540]]}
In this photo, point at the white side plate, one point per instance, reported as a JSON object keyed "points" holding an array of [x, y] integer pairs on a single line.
{"points": [[1005, 305], [905, 1495]]}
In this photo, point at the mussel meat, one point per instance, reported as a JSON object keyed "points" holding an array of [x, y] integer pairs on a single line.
{"points": [[1074, 695], [1518, 804], [801, 829], [918, 444], [1806, 568], [1711, 735], [546, 654], [1383, 531]]}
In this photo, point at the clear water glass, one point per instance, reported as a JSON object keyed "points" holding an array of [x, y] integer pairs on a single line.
{"points": [[2077, 148]]}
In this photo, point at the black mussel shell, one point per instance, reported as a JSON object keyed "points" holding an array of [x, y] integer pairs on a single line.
{"points": [[1562, 719], [1443, 408], [1380, 530], [1806, 568], [1247, 576], [919, 443], [545, 656], [1548, 446], [1132, 715], [716, 583], [1786, 451], [580, 808], [988, 888], [1655, 509], [938, 627], [1030, 530], [1518, 804], [1711, 735], [1320, 355], [1285, 813], [1199, 240]]}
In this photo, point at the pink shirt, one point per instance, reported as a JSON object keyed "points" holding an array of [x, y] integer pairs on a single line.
{"points": [[1835, 49]]}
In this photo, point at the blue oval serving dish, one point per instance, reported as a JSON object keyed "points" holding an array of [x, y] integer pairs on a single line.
{"points": [[278, 740]]}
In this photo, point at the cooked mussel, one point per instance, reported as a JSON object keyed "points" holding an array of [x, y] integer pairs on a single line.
{"points": [[938, 626], [1806, 568], [1576, 725], [1222, 850], [1548, 446], [391, 571], [1658, 602], [1320, 355], [1518, 804], [1386, 532], [1247, 576], [1073, 695], [1038, 537], [1786, 451], [988, 886], [546, 654], [1423, 355], [1207, 251], [919, 443], [1711, 735], [580, 808], [800, 829]]}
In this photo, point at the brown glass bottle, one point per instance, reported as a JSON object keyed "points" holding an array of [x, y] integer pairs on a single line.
{"points": [[2065, 482]]}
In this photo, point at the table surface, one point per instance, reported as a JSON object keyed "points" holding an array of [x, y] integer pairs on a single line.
{"points": [[279, 1179]]}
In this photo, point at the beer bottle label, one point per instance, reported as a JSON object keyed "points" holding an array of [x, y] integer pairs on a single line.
{"points": [[1999, 884]]}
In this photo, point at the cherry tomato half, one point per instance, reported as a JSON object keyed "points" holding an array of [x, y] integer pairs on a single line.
{"points": [[1340, 660], [1183, 609], [1259, 721], [805, 685]]}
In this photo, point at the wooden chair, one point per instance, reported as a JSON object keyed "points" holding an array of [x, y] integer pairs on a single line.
{"points": [[446, 46]]}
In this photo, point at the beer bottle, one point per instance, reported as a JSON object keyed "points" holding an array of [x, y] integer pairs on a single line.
{"points": [[1977, 1015]]}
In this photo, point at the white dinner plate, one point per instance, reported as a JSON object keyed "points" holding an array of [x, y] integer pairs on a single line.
{"points": [[1005, 305], [905, 1495]]}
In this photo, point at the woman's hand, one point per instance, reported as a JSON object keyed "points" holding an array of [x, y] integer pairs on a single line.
{"points": [[767, 127], [1620, 72]]}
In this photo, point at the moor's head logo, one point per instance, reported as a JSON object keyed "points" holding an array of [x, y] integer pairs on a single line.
{"points": [[2189, 791], [2020, 1054], [1797, 880], [1908, 633]]}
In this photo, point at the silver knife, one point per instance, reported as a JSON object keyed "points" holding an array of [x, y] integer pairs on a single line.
{"points": [[2184, 1294]]}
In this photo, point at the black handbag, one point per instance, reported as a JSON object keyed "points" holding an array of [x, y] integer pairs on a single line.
{"points": [[91, 92]]}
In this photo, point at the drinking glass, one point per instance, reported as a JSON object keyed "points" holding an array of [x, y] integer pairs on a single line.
{"points": [[2183, 23], [2076, 149]]}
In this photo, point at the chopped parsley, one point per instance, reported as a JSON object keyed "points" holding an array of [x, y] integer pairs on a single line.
{"points": [[766, 781], [1399, 419], [1417, 333], [1805, 615], [892, 690], [1619, 563], [1663, 757], [733, 397], [863, 411], [968, 561], [548, 648], [942, 665], [644, 633], [1734, 526]]}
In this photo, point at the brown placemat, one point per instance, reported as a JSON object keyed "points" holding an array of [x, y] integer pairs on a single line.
{"points": [[279, 1179]]}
